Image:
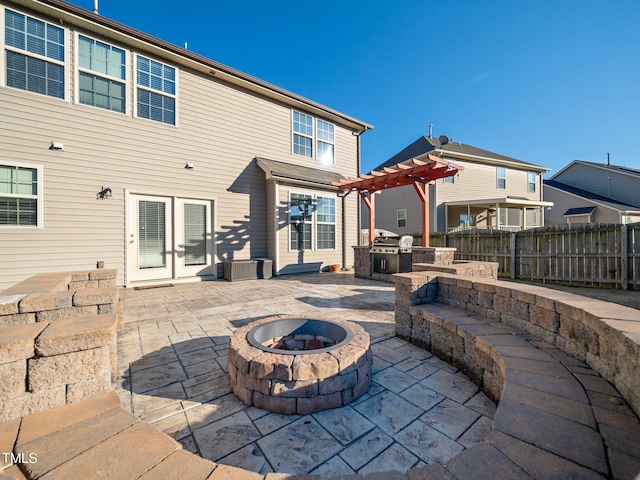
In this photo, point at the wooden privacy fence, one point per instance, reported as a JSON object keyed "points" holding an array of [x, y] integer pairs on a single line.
{"points": [[583, 254]]}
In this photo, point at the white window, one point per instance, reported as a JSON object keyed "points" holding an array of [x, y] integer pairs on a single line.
{"points": [[300, 220], [308, 131], [325, 142], [34, 55], [302, 134], [531, 181], [156, 90], [309, 214], [20, 195], [401, 216], [501, 178], [102, 74], [326, 223], [449, 179]]}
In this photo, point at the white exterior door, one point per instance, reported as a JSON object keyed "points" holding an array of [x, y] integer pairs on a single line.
{"points": [[168, 237], [150, 241]]}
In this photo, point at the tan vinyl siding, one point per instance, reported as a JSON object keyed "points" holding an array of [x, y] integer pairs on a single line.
{"points": [[221, 129], [478, 181]]}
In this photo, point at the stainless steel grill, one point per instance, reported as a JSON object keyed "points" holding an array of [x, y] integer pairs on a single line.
{"points": [[391, 254]]}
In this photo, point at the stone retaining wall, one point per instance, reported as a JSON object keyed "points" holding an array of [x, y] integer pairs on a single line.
{"points": [[362, 261], [604, 335], [57, 340]]}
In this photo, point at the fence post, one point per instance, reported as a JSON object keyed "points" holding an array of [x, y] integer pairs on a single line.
{"points": [[624, 257], [514, 244]]}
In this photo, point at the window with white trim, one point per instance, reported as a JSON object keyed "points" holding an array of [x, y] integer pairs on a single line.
{"points": [[326, 223], [300, 221], [156, 90], [34, 55], [449, 179], [302, 134], [531, 181], [501, 178], [325, 142], [102, 70], [309, 132], [20, 196], [401, 217]]}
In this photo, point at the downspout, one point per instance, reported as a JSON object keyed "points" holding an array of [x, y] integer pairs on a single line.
{"points": [[344, 228], [276, 234]]}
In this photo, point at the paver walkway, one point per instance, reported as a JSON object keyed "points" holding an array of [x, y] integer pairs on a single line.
{"points": [[172, 360]]}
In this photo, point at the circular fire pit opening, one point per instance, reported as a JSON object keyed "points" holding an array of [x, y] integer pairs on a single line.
{"points": [[299, 365], [293, 336]]}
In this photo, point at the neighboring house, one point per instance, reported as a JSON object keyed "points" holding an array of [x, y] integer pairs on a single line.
{"points": [[586, 192], [493, 191], [120, 149]]}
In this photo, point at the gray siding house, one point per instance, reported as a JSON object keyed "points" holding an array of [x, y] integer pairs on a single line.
{"points": [[493, 191], [589, 192], [122, 150]]}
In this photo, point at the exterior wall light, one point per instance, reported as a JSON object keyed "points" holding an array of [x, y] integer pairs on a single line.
{"points": [[104, 193], [56, 146]]}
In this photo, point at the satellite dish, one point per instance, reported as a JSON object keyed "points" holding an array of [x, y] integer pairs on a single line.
{"points": [[443, 139]]}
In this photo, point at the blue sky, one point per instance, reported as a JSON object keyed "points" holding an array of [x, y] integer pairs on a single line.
{"points": [[542, 81]]}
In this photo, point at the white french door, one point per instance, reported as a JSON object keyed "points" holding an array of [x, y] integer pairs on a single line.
{"points": [[168, 237], [194, 240]]}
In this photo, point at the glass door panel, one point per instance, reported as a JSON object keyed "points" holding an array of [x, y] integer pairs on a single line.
{"points": [[194, 242], [150, 238]]}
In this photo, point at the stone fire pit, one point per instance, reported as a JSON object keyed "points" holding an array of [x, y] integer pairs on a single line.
{"points": [[289, 364]]}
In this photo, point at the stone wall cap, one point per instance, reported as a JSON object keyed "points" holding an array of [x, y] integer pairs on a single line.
{"points": [[103, 274], [36, 302], [74, 334], [17, 341], [9, 303]]}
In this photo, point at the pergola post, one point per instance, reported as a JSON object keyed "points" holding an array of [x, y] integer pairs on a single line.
{"points": [[423, 192], [371, 206]]}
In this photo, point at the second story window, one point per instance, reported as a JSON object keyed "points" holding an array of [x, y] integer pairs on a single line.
{"points": [[501, 178], [313, 138], [531, 181], [156, 87], [326, 141], [102, 74], [303, 134], [449, 179], [34, 55], [401, 216]]}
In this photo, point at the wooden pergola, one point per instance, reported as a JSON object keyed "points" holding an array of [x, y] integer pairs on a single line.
{"points": [[419, 173]]}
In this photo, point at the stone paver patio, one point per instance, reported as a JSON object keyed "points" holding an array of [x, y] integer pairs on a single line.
{"points": [[172, 366]]}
